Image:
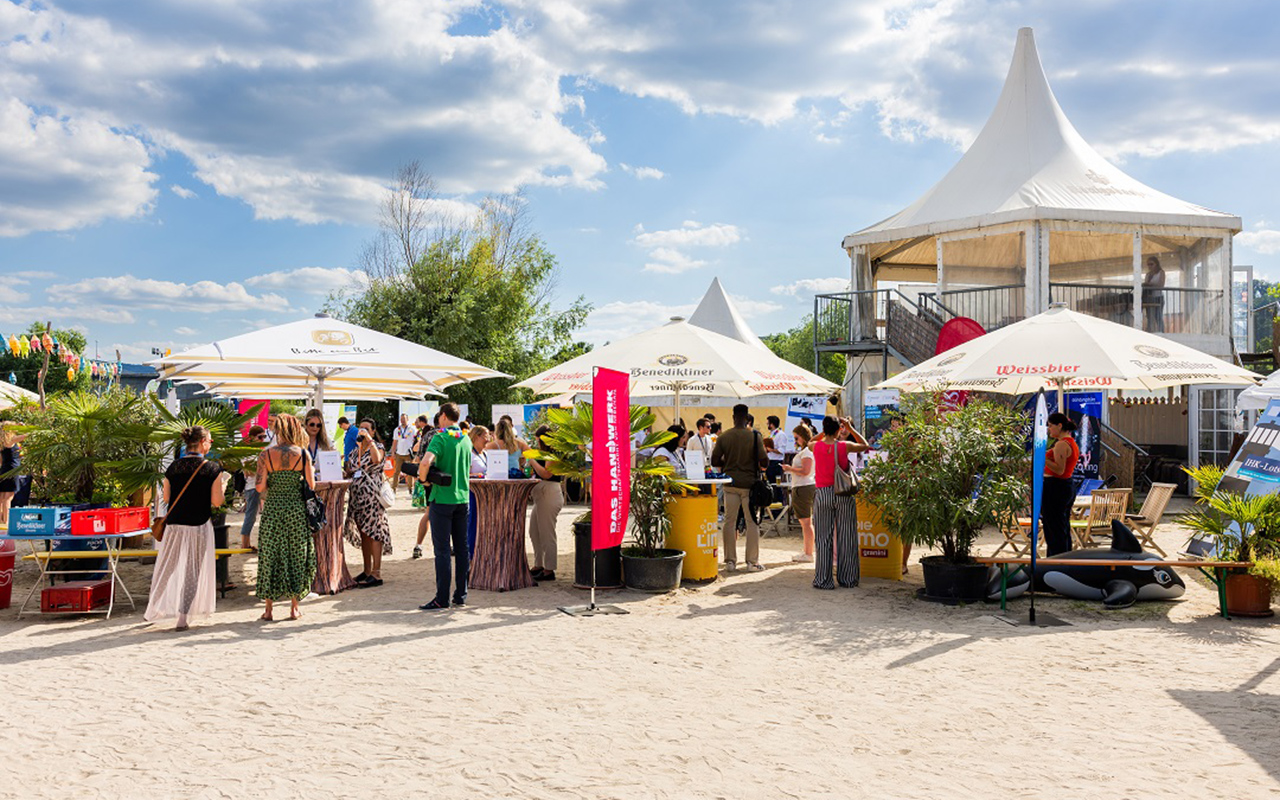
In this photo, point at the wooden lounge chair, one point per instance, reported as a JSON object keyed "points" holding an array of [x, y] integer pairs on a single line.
{"points": [[1104, 506], [1148, 517]]}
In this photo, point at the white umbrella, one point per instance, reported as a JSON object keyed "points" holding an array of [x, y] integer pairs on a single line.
{"points": [[11, 395], [308, 355], [1063, 349], [680, 358], [1257, 398]]}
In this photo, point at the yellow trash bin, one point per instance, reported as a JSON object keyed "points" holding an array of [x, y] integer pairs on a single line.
{"points": [[880, 552], [695, 531]]}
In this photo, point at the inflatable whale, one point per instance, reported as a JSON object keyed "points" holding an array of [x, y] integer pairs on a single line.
{"points": [[1116, 587]]}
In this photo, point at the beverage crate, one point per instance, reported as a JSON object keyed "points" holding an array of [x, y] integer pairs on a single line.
{"points": [[75, 596], [31, 522], [109, 520]]}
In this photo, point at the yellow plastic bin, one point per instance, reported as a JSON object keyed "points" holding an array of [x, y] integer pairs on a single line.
{"points": [[695, 531], [880, 552]]}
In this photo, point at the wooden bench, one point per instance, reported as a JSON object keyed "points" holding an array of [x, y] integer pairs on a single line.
{"points": [[58, 555], [1218, 576]]}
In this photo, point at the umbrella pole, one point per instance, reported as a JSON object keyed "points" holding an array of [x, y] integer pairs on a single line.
{"points": [[676, 419]]}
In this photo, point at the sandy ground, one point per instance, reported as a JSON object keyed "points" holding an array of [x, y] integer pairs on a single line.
{"points": [[752, 686]]}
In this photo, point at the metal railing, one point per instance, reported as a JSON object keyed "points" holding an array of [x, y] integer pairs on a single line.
{"points": [[1167, 310], [875, 319], [992, 307]]}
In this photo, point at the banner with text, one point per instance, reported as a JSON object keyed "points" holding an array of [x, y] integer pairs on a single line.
{"points": [[610, 457]]}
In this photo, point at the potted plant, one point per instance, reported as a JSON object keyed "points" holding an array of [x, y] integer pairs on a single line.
{"points": [[941, 476], [646, 564], [1245, 529], [564, 449]]}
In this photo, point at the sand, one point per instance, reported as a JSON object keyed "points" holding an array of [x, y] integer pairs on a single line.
{"points": [[755, 685]]}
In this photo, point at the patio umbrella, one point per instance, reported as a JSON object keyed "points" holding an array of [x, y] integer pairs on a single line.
{"points": [[1256, 398], [1062, 349], [679, 358], [11, 395], [308, 355]]}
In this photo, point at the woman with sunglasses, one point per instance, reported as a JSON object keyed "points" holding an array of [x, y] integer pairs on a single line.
{"points": [[332, 575]]}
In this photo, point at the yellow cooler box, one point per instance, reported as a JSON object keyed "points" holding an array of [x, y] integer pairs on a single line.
{"points": [[694, 530], [880, 551]]}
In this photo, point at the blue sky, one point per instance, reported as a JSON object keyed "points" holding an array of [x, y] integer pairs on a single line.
{"points": [[172, 172]]}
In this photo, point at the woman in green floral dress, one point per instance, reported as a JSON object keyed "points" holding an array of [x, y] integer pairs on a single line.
{"points": [[286, 551]]}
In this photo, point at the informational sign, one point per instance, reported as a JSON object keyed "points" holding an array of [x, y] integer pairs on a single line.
{"points": [[516, 412], [695, 464], [1040, 447], [329, 464], [1085, 410], [880, 552], [879, 407], [418, 408], [806, 407], [1256, 468], [610, 457], [496, 465]]}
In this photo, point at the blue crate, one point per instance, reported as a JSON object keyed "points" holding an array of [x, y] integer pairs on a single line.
{"points": [[39, 523]]}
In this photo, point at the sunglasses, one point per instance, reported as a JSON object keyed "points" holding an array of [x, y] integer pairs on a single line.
{"points": [[313, 424]]}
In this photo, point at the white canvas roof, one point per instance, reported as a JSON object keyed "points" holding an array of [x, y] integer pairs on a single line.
{"points": [[1030, 163], [718, 314]]}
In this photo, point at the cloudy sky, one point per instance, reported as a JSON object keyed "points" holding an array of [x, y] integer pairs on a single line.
{"points": [[175, 172]]}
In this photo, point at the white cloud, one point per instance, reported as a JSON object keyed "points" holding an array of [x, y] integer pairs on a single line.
{"points": [[182, 191], [754, 308], [183, 330], [25, 276], [126, 291], [312, 280], [691, 234], [671, 262], [808, 286], [62, 315], [620, 319], [643, 173], [58, 173], [1260, 240]]}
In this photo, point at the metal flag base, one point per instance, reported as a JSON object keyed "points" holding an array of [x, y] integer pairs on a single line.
{"points": [[1041, 620], [591, 609]]}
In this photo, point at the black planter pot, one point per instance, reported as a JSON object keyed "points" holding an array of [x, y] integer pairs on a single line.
{"points": [[660, 574], [953, 583], [218, 519], [608, 562]]}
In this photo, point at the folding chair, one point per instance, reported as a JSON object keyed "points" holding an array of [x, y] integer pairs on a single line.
{"points": [[1017, 536], [1143, 524], [1105, 505], [777, 517]]}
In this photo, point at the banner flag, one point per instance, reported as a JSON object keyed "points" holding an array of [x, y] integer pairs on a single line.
{"points": [[1040, 439], [610, 457], [260, 418]]}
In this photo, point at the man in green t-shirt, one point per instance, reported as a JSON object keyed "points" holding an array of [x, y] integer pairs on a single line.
{"points": [[450, 452]]}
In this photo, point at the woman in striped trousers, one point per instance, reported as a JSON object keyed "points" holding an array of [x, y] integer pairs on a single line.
{"points": [[835, 519]]}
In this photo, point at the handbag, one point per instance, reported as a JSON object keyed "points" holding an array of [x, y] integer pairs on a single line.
{"points": [[157, 524], [313, 507], [846, 481], [386, 497]]}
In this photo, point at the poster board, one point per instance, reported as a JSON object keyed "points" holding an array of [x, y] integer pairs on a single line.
{"points": [[516, 412], [1085, 410], [879, 552], [810, 407], [878, 409]]}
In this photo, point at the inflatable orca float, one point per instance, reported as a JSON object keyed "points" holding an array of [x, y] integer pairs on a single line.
{"points": [[1117, 587]]}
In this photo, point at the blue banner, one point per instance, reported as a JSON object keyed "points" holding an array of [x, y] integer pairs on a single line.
{"points": [[1040, 438]]}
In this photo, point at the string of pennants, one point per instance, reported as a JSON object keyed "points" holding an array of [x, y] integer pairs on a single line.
{"points": [[24, 346]]}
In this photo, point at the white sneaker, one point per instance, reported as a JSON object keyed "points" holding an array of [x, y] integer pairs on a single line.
{"points": [[802, 558], [730, 566], [753, 567]]}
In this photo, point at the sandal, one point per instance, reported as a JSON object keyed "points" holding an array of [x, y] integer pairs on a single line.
{"points": [[267, 618]]}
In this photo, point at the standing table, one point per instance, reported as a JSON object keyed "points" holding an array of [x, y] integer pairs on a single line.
{"points": [[500, 562], [111, 553], [332, 575], [695, 530]]}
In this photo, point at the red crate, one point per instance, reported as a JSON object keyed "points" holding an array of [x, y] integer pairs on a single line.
{"points": [[100, 521], [75, 596]]}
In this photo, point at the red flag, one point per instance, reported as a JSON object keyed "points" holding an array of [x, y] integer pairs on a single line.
{"points": [[610, 457], [263, 411]]}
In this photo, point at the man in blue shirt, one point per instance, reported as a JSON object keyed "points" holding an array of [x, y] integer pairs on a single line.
{"points": [[349, 434], [450, 452]]}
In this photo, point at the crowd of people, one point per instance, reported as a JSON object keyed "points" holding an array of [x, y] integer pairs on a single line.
{"points": [[436, 459]]}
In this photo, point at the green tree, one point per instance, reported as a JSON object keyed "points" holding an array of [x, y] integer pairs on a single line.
{"points": [[27, 368], [482, 290], [796, 346]]}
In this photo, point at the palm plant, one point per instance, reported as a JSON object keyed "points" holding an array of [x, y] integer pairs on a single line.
{"points": [[162, 437], [565, 447], [1244, 528], [652, 483]]}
